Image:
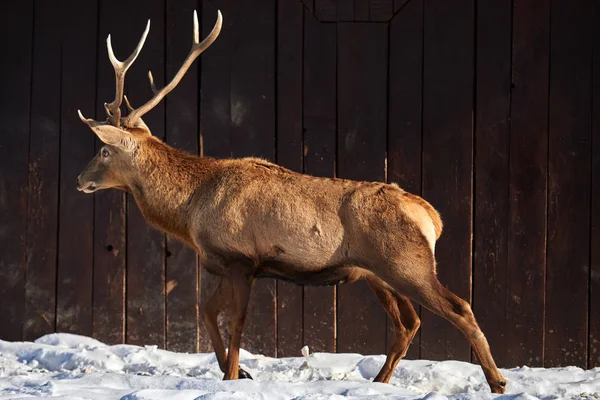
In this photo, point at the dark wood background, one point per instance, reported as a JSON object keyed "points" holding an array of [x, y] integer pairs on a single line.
{"points": [[486, 108]]}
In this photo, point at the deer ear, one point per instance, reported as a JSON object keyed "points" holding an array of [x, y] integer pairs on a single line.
{"points": [[113, 136]]}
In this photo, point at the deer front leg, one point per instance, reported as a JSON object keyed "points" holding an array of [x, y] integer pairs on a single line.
{"points": [[217, 303], [241, 287]]}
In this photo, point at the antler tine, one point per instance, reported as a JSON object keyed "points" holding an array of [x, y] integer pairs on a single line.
{"points": [[197, 49], [197, 30], [152, 85], [127, 103], [88, 121], [114, 109]]}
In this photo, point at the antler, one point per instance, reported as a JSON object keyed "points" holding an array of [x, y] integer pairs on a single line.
{"points": [[197, 49], [114, 109], [134, 117]]}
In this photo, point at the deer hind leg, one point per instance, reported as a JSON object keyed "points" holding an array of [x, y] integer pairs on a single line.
{"points": [[241, 285], [217, 303], [406, 324], [431, 294]]}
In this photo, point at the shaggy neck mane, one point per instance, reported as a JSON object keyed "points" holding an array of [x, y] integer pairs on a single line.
{"points": [[164, 183]]}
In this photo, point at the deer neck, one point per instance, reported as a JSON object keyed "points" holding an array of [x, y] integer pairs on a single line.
{"points": [[163, 186]]}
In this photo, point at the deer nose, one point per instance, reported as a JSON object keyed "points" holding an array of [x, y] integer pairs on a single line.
{"points": [[79, 182]]}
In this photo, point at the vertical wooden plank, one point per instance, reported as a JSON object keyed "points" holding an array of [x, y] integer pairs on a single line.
{"points": [[345, 10], [145, 245], [215, 113], [15, 92], [362, 52], [594, 301], [405, 98], [404, 113], [108, 323], [253, 134], [319, 160], [361, 10], [381, 10], [528, 168], [109, 209], [491, 219], [447, 159], [76, 211], [569, 163], [326, 10], [182, 133], [215, 122], [289, 155], [289, 84], [42, 225]]}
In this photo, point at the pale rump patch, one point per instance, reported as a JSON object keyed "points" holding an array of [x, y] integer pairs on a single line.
{"points": [[423, 220], [429, 232]]}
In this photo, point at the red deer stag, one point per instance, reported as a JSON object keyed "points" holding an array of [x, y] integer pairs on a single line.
{"points": [[248, 218]]}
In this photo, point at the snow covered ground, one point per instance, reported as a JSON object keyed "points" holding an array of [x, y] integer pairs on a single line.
{"points": [[77, 367]]}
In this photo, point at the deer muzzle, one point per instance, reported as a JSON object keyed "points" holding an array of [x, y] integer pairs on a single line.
{"points": [[85, 187]]}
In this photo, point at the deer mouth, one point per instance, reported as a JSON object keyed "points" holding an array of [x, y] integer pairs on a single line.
{"points": [[90, 188]]}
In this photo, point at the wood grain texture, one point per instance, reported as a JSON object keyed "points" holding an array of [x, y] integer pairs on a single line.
{"points": [[14, 153], [569, 166], [520, 74], [76, 211], [319, 150], [42, 203], [491, 177], [528, 171], [109, 268], [362, 51], [404, 115], [290, 16], [594, 300], [447, 159]]}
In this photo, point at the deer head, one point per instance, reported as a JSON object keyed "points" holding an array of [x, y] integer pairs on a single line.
{"points": [[123, 136]]}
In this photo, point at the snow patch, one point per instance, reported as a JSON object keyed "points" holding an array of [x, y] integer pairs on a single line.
{"points": [[76, 367]]}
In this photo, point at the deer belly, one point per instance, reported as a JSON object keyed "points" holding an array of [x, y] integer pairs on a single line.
{"points": [[326, 276]]}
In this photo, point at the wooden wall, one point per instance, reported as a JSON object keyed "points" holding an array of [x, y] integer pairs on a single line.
{"points": [[488, 109]]}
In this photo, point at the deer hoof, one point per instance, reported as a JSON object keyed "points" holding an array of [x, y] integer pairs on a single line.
{"points": [[243, 374], [498, 387]]}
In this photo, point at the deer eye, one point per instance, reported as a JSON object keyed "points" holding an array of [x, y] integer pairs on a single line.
{"points": [[105, 153]]}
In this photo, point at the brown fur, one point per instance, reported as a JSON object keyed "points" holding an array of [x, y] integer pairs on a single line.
{"points": [[248, 218]]}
